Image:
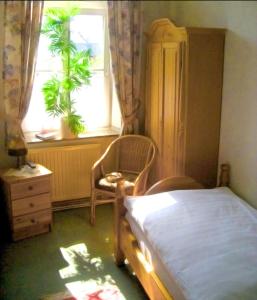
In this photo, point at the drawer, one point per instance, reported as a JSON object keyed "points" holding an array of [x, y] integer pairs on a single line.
{"points": [[30, 204], [30, 231], [44, 216], [30, 188]]}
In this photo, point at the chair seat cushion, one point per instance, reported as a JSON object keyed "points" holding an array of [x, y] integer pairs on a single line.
{"points": [[109, 182]]}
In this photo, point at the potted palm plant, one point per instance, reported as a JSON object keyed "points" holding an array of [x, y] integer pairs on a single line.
{"points": [[75, 71]]}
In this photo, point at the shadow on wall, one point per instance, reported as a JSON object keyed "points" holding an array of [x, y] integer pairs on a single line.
{"points": [[238, 70], [239, 125]]}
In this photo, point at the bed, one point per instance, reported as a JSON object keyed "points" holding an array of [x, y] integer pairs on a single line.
{"points": [[185, 242]]}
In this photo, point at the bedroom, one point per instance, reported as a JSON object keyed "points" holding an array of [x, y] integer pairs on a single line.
{"points": [[238, 125]]}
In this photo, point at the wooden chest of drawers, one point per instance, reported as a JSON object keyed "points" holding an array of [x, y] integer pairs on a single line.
{"points": [[28, 197]]}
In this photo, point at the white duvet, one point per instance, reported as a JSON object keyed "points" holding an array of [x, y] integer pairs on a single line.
{"points": [[206, 238]]}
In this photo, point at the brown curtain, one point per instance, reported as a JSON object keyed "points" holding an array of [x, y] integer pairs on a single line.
{"points": [[22, 23], [124, 22]]}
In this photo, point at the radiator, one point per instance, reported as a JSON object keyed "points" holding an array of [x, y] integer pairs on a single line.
{"points": [[71, 167]]}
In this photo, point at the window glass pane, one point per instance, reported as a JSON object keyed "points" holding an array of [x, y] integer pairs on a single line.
{"points": [[46, 61], [92, 102], [37, 119], [116, 115], [87, 32]]}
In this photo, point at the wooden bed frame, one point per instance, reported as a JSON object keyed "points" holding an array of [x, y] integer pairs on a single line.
{"points": [[125, 243]]}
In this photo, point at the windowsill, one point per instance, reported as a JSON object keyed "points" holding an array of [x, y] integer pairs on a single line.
{"points": [[31, 138]]}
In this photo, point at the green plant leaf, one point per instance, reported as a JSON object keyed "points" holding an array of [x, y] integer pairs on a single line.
{"points": [[75, 123], [51, 89], [80, 64]]}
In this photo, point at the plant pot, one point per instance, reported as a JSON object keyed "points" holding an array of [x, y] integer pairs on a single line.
{"points": [[66, 133]]}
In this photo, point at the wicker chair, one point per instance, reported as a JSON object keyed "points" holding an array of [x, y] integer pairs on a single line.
{"points": [[128, 158]]}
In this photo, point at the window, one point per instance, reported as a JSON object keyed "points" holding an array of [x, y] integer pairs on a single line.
{"points": [[95, 102]]}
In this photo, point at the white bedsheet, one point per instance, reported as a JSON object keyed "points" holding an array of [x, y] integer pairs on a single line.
{"points": [[206, 238]]}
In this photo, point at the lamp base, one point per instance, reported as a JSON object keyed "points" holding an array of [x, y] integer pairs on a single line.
{"points": [[20, 155], [20, 162]]}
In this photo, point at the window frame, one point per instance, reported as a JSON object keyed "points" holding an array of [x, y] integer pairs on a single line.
{"points": [[108, 82]]}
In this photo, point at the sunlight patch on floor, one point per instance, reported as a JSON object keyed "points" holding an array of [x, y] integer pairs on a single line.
{"points": [[96, 285], [79, 260], [95, 289]]}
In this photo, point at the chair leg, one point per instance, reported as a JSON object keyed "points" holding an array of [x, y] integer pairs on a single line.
{"points": [[92, 216], [92, 208]]}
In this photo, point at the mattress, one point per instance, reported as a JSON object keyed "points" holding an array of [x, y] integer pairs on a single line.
{"points": [[202, 243]]}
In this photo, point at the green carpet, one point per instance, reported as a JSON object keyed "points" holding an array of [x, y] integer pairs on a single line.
{"points": [[73, 254]]}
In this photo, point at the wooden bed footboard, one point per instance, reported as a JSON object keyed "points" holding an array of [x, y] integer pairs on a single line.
{"points": [[125, 243]]}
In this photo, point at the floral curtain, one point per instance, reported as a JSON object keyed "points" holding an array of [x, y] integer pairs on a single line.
{"points": [[124, 20], [22, 22]]}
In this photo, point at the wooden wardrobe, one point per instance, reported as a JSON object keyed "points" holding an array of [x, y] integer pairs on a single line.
{"points": [[184, 71]]}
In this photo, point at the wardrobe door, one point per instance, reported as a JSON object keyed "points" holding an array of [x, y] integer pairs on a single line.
{"points": [[154, 109], [183, 100], [172, 119]]}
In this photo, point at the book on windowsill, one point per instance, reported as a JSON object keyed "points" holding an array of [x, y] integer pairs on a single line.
{"points": [[46, 136]]}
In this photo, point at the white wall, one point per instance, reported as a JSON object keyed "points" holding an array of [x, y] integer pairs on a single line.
{"points": [[238, 143]]}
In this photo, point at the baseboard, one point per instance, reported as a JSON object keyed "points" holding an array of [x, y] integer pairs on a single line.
{"points": [[69, 204]]}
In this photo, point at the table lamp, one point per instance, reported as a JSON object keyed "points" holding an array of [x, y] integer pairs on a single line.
{"points": [[17, 147]]}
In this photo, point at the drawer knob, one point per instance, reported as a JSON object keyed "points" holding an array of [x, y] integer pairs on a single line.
{"points": [[32, 221], [31, 204], [30, 187]]}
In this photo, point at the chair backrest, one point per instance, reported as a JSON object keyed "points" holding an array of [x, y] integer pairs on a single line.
{"points": [[134, 153]]}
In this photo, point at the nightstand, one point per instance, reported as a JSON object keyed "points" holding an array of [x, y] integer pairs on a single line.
{"points": [[28, 198]]}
